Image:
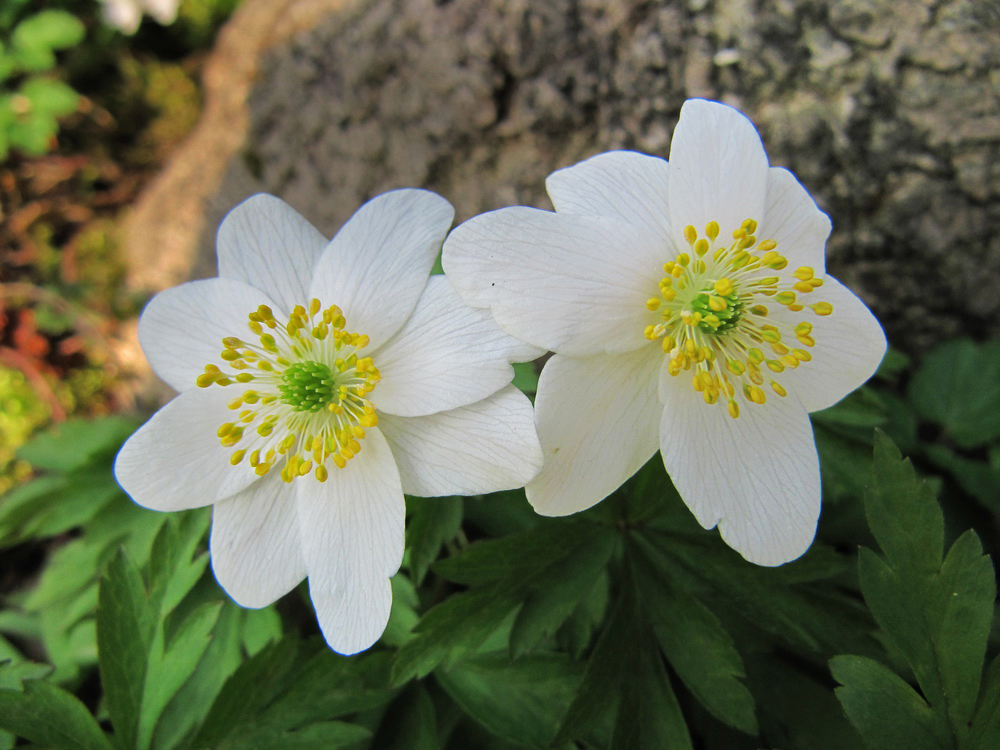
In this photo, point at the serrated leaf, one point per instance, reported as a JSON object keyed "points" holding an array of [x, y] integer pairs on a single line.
{"points": [[697, 646], [188, 708], [125, 626], [288, 693], [453, 628], [516, 556], [985, 731], [522, 702], [886, 711], [605, 671], [410, 721], [170, 667], [902, 512], [433, 521], [551, 603], [648, 713], [50, 716], [958, 386]]}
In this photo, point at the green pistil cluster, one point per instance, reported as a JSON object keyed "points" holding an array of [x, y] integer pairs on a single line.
{"points": [[716, 318], [307, 386]]}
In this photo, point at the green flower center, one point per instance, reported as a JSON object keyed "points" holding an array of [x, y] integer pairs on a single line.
{"points": [[307, 386], [714, 317]]}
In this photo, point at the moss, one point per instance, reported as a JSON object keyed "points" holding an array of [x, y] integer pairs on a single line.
{"points": [[21, 413]]}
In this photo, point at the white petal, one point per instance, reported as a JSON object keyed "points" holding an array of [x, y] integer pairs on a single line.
{"points": [[794, 221], [487, 446], [175, 461], [352, 537], [576, 285], [756, 477], [377, 266], [267, 244], [625, 185], [256, 552], [849, 347], [597, 420], [445, 356], [718, 169], [182, 328]]}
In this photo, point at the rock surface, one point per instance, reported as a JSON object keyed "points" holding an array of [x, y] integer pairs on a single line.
{"points": [[888, 112]]}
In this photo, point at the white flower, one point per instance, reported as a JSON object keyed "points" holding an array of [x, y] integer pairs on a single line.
{"points": [[125, 15], [689, 310], [286, 363]]}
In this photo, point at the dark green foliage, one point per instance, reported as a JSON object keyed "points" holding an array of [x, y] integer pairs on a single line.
{"points": [[627, 626], [936, 612]]}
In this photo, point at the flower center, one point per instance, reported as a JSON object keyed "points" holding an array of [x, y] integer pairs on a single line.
{"points": [[307, 386], [713, 312], [309, 403]]}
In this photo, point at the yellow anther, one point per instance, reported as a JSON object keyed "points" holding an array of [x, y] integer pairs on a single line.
{"points": [[776, 387], [735, 366], [677, 271], [806, 340], [321, 473], [803, 286], [225, 429], [204, 380], [653, 304], [785, 298], [237, 456], [802, 355], [701, 247], [669, 294], [723, 287], [771, 337], [756, 395], [774, 365], [822, 308], [803, 273], [683, 259], [760, 310], [690, 234], [766, 246], [750, 225], [755, 355], [712, 230], [244, 377], [734, 409]]}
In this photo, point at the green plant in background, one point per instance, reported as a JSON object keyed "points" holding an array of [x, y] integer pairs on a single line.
{"points": [[22, 411], [33, 98]]}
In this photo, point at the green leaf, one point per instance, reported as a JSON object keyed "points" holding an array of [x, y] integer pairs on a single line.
{"points": [[937, 613], [49, 97], [125, 628], [552, 601], [648, 713], [411, 721], [35, 38], [433, 522], [287, 695], [522, 702], [697, 646], [902, 512], [76, 442], [604, 674], [49, 716], [958, 386], [985, 733], [456, 626], [525, 377], [168, 669], [517, 556], [886, 711]]}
